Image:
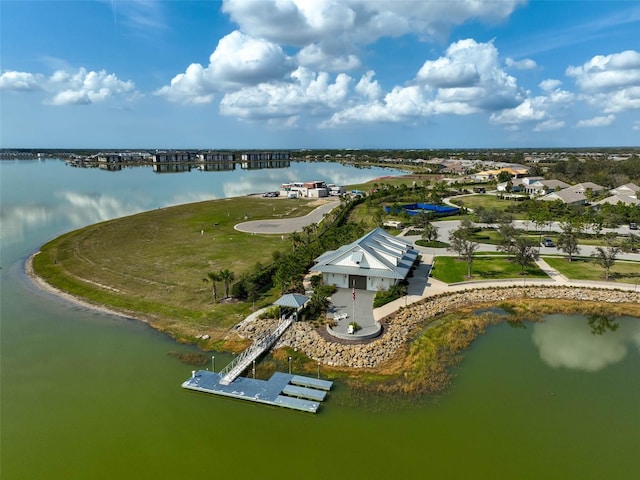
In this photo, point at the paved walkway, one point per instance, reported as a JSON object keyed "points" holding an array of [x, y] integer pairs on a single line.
{"points": [[288, 225], [433, 287], [348, 310]]}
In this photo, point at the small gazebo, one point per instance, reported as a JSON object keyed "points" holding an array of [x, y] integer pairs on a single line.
{"points": [[295, 301]]}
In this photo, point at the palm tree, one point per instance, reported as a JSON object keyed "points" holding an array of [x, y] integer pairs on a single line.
{"points": [[215, 278], [227, 277], [296, 239], [308, 229], [429, 232]]}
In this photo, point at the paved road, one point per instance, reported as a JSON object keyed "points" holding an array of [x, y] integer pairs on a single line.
{"points": [[445, 227], [288, 225]]}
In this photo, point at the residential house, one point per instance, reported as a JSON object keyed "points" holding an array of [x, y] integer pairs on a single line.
{"points": [[540, 186], [628, 189], [568, 196], [616, 199]]}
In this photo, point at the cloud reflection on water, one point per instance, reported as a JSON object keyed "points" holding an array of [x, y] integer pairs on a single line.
{"points": [[567, 342], [14, 221]]}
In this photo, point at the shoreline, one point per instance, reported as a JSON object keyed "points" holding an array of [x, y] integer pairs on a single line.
{"points": [[40, 283], [399, 325]]}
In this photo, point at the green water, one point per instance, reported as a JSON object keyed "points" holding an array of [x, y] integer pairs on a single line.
{"points": [[91, 396], [94, 396]]}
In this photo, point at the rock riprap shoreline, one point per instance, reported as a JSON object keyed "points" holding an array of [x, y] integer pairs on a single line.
{"points": [[398, 328]]}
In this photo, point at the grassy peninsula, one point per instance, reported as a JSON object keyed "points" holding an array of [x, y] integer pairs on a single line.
{"points": [[152, 265]]}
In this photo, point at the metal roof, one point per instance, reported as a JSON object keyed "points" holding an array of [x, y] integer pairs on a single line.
{"points": [[292, 300], [394, 254]]}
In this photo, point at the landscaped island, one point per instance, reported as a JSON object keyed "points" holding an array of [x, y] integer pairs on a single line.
{"points": [[166, 267]]}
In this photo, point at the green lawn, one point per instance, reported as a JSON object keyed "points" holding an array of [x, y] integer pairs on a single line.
{"points": [[154, 263], [486, 201], [452, 270], [588, 269]]}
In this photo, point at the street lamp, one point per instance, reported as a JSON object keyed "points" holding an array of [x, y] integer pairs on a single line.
{"points": [[213, 363], [318, 369], [289, 365]]}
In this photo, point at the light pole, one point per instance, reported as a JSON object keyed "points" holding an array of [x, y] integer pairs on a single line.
{"points": [[213, 363], [318, 369], [289, 365]]}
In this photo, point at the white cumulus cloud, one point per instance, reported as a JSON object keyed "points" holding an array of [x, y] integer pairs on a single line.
{"points": [[467, 79], [305, 92], [339, 29], [549, 125], [524, 64], [238, 61], [11, 80], [596, 122], [610, 83], [81, 87], [550, 84]]}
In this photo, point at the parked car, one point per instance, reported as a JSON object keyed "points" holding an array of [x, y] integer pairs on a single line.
{"points": [[547, 242], [633, 226]]}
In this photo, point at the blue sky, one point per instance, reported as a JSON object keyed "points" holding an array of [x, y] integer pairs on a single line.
{"points": [[319, 74]]}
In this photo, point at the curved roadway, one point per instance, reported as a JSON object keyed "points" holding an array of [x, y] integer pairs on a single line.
{"points": [[287, 225]]}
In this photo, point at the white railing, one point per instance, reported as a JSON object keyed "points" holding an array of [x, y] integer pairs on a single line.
{"points": [[229, 373]]}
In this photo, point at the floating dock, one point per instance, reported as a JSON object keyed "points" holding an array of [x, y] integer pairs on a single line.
{"points": [[282, 390]]}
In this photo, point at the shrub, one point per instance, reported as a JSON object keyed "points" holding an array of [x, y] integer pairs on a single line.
{"points": [[385, 296]]}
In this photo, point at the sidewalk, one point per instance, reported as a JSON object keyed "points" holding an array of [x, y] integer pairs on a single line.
{"points": [[421, 287]]}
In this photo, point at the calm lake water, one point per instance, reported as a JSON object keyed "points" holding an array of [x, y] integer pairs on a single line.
{"points": [[90, 396]]}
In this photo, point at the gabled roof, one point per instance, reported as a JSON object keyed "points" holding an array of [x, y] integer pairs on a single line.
{"points": [[553, 183], [377, 254], [615, 199], [626, 189], [567, 196], [582, 187]]}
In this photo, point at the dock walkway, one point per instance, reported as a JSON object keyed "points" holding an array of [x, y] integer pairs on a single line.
{"points": [[261, 345], [280, 390]]}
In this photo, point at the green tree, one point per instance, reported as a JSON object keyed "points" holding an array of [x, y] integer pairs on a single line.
{"points": [[214, 277], [429, 232], [227, 277], [504, 176], [460, 241], [606, 256], [568, 239], [318, 304], [525, 252], [296, 239], [631, 243], [508, 236]]}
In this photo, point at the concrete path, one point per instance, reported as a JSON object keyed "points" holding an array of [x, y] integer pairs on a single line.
{"points": [[288, 225], [359, 311], [432, 287]]}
